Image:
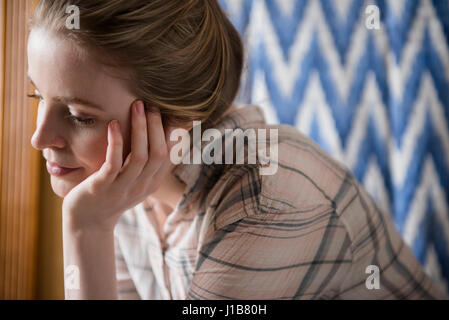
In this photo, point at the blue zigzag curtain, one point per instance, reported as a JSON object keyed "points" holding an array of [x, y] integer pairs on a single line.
{"points": [[375, 99]]}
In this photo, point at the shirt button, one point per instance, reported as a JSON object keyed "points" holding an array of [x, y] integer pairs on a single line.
{"points": [[265, 165]]}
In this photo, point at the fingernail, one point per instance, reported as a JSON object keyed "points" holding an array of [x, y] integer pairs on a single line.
{"points": [[114, 125], [139, 107]]}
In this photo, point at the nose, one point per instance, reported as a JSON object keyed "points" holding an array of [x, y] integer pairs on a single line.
{"points": [[47, 132]]}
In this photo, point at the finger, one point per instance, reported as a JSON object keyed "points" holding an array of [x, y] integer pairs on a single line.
{"points": [[139, 146], [158, 146], [125, 163], [156, 134], [152, 184], [114, 154], [161, 173]]}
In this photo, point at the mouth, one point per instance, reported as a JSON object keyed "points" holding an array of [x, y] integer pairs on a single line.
{"points": [[58, 171]]}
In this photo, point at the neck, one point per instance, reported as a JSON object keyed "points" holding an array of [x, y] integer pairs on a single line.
{"points": [[169, 193]]}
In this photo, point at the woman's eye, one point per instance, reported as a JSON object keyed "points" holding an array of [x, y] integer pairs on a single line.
{"points": [[35, 95], [81, 121]]}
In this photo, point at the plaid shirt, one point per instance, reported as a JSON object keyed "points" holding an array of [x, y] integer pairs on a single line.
{"points": [[309, 231]]}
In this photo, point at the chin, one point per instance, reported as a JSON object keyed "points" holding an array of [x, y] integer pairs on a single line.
{"points": [[62, 186]]}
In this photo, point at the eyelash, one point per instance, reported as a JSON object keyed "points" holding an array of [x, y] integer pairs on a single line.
{"points": [[76, 120]]}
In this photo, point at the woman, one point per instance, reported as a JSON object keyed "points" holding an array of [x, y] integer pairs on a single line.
{"points": [[138, 225]]}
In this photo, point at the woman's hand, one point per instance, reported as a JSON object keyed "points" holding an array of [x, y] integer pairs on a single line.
{"points": [[99, 200]]}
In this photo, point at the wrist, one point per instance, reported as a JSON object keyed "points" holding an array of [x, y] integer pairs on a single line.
{"points": [[91, 251], [73, 222]]}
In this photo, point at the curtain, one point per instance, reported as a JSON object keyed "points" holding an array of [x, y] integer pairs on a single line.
{"points": [[373, 95]]}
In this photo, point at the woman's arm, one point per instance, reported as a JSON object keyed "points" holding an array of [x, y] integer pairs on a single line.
{"points": [[89, 262], [383, 266], [319, 252]]}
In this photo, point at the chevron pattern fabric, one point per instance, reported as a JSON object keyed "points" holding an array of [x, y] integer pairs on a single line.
{"points": [[375, 99]]}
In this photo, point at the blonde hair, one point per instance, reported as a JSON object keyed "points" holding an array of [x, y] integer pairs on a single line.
{"points": [[183, 57]]}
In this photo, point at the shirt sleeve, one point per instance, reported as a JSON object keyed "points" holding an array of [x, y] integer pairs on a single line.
{"points": [[252, 259], [125, 285], [319, 252], [383, 266]]}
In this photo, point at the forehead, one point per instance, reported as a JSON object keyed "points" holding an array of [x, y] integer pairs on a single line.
{"points": [[50, 51], [58, 67]]}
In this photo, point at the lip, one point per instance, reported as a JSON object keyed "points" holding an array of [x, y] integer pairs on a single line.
{"points": [[58, 171]]}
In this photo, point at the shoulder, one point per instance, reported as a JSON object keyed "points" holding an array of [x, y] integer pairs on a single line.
{"points": [[306, 178]]}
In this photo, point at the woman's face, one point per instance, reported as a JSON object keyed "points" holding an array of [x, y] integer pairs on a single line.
{"points": [[72, 133]]}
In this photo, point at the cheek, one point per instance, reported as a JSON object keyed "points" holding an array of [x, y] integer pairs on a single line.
{"points": [[90, 148], [91, 152]]}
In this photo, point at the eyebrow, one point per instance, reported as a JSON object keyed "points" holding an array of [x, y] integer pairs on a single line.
{"points": [[71, 100]]}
